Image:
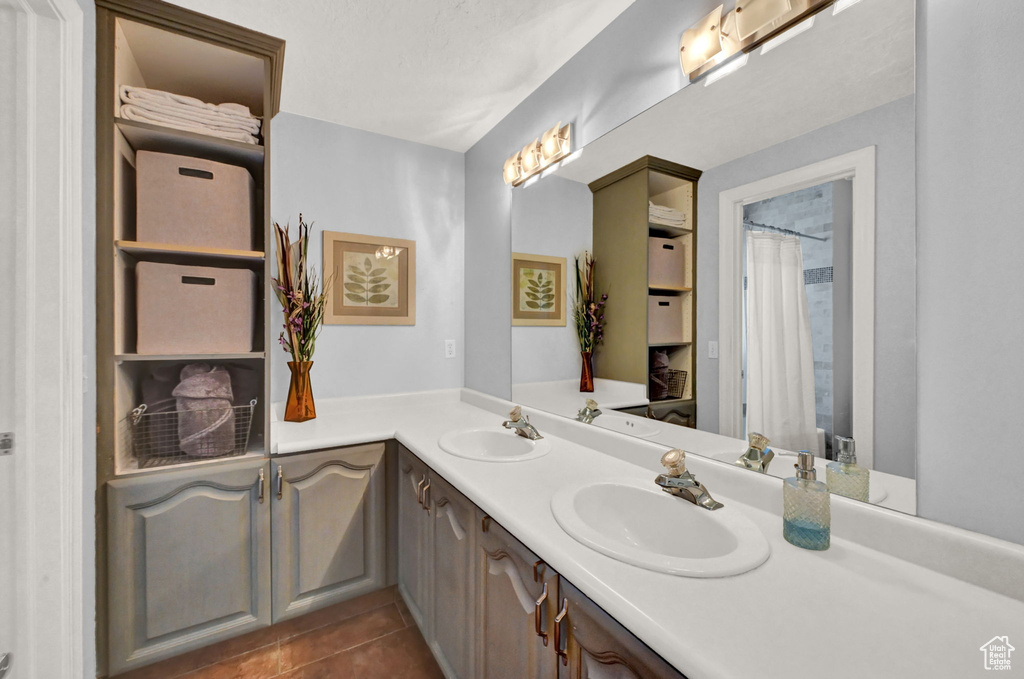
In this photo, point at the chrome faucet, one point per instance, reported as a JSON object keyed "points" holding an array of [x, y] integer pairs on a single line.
{"points": [[758, 455], [681, 483], [521, 425], [588, 412]]}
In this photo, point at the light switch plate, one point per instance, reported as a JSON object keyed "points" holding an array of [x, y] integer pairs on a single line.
{"points": [[449, 348], [713, 349]]}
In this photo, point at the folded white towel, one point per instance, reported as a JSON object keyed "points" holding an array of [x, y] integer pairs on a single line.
{"points": [[660, 214], [141, 115], [142, 95]]}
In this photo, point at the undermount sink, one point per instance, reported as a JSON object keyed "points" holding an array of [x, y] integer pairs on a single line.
{"points": [[633, 426], [639, 524], [782, 467], [493, 445]]}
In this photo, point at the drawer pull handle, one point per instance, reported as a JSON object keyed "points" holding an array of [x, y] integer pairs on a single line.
{"points": [[198, 280], [263, 485], [485, 523], [538, 615], [280, 483], [419, 490], [559, 637], [426, 497], [198, 174]]}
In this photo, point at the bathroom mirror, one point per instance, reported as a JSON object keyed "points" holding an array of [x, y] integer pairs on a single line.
{"points": [[755, 235]]}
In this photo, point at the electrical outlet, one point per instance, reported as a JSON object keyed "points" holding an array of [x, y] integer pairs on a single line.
{"points": [[449, 348], [712, 349]]}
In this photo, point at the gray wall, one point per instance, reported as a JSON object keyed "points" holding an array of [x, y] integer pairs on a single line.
{"points": [[627, 68], [890, 129], [359, 182], [970, 362], [554, 217]]}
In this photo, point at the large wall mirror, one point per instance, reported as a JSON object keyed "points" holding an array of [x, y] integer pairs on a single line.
{"points": [[755, 237]]}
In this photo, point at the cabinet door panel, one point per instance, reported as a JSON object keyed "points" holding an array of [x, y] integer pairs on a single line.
{"points": [[600, 648], [189, 560], [453, 586], [413, 545], [509, 647], [328, 528]]}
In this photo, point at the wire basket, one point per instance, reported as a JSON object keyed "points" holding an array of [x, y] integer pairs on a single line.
{"points": [[667, 384], [172, 437]]}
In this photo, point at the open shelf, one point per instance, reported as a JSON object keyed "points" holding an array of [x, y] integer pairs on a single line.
{"points": [[147, 137], [671, 344], [256, 355], [657, 288], [142, 250], [663, 231]]}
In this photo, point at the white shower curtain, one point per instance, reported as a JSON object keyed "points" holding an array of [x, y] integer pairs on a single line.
{"points": [[780, 357]]}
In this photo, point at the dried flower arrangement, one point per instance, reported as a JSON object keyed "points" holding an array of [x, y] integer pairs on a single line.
{"points": [[587, 309], [300, 293]]}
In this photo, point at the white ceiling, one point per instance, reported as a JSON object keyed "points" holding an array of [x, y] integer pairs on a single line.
{"points": [[440, 72], [846, 64]]}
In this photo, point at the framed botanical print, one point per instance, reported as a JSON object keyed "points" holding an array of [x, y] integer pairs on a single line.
{"points": [[538, 290], [374, 280]]}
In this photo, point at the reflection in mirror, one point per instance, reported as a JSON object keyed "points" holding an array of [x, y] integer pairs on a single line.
{"points": [[755, 237]]}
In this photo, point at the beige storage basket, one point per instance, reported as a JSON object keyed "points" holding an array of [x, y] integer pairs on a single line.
{"points": [[664, 319], [194, 309], [190, 201], [666, 259]]}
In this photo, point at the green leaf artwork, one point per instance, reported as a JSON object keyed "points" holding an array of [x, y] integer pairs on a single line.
{"points": [[536, 290], [369, 281]]}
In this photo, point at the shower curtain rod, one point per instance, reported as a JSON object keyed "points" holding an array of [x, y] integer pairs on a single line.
{"points": [[748, 225]]}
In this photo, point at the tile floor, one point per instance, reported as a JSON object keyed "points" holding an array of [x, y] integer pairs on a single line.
{"points": [[371, 637]]}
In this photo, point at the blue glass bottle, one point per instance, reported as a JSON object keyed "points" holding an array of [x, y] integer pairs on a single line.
{"points": [[806, 511]]}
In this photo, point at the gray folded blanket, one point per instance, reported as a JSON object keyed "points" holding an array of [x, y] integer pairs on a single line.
{"points": [[206, 421]]}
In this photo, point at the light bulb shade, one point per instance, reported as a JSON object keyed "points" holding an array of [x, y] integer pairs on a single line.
{"points": [[556, 143], [701, 42], [753, 15], [731, 43], [513, 169], [531, 158]]}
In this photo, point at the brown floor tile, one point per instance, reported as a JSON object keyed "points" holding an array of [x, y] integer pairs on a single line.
{"points": [[259, 664], [404, 610], [324, 641], [402, 654], [342, 611], [337, 666]]}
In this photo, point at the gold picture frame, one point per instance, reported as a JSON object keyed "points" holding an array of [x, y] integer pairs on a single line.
{"points": [[374, 279], [538, 290]]}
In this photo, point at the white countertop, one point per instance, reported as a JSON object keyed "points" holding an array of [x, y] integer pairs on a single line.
{"points": [[856, 610], [563, 397]]}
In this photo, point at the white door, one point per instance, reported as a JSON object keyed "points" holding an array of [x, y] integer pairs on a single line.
{"points": [[42, 506]]}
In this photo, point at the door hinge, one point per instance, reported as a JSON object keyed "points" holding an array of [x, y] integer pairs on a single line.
{"points": [[6, 448]]}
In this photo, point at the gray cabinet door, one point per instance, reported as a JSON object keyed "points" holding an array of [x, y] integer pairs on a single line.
{"points": [[454, 583], [599, 647], [510, 590], [413, 537], [189, 560], [328, 528]]}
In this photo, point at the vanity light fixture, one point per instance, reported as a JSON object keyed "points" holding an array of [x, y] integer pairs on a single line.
{"points": [[753, 15], [731, 67], [843, 4], [788, 35], [702, 42], [541, 155]]}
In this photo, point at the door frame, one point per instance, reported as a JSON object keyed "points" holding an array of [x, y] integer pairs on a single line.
{"points": [[858, 166], [45, 81]]}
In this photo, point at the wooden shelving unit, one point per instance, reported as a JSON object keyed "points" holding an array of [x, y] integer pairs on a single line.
{"points": [[622, 229], [147, 43]]}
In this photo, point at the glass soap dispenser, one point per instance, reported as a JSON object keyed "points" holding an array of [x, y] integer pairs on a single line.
{"points": [[844, 476], [806, 512]]}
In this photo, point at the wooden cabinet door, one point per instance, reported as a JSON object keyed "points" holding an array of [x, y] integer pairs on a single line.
{"points": [[453, 584], [508, 644], [189, 560], [413, 537], [598, 647], [328, 524]]}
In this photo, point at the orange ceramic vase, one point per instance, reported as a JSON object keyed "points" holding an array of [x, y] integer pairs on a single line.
{"points": [[300, 406], [587, 375]]}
